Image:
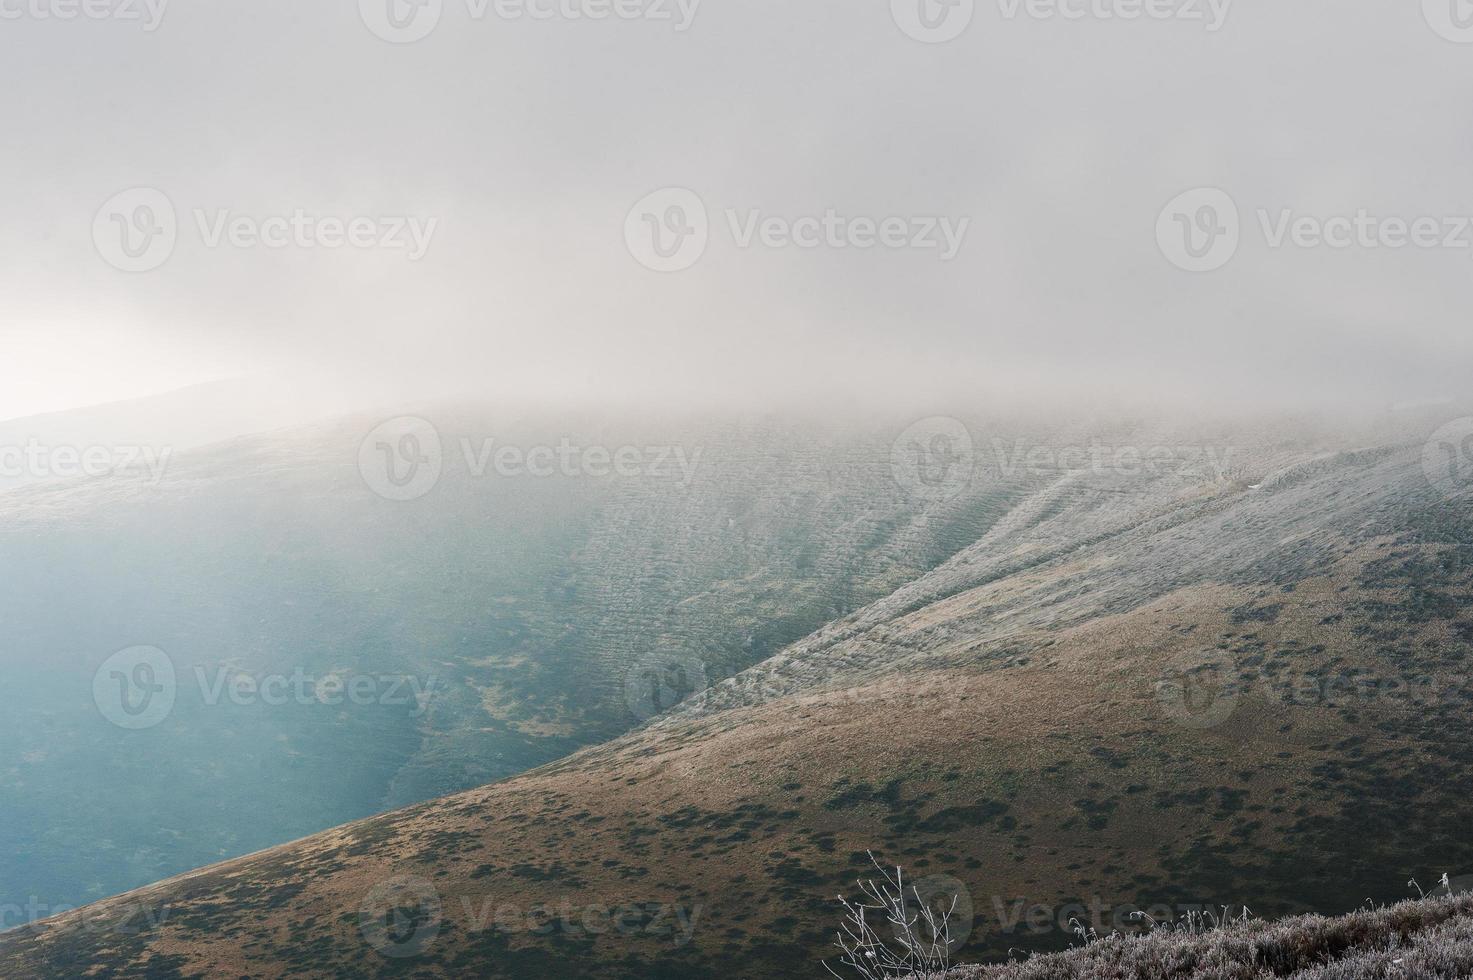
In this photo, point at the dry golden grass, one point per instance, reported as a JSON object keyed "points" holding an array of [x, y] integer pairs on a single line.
{"points": [[1043, 778]]}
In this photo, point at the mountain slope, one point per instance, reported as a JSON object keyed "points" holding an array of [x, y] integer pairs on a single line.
{"points": [[1134, 690], [500, 622]]}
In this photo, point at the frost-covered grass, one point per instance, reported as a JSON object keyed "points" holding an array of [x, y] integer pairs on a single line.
{"points": [[1421, 939]]}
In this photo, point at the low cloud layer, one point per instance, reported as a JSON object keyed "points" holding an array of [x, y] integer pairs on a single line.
{"points": [[763, 203]]}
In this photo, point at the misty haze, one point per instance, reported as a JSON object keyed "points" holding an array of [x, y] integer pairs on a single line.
{"points": [[714, 490]]}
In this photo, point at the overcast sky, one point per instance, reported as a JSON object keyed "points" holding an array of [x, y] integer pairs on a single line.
{"points": [[517, 147]]}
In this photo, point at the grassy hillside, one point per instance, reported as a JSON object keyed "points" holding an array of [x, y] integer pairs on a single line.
{"points": [[1131, 691], [526, 609], [1429, 939]]}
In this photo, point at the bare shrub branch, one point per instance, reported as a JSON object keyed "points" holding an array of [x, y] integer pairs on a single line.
{"points": [[920, 942]]}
